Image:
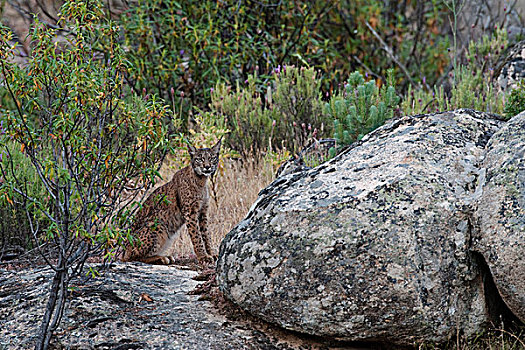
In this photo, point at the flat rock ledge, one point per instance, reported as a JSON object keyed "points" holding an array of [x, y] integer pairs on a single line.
{"points": [[134, 306]]}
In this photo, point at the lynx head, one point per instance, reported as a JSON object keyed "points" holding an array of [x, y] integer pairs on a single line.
{"points": [[204, 161]]}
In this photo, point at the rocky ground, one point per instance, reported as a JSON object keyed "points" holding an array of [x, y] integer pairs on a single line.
{"points": [[136, 306]]}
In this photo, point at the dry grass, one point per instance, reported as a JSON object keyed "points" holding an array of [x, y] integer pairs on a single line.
{"points": [[232, 192], [495, 338]]}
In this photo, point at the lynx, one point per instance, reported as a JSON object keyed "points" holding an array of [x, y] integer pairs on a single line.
{"points": [[183, 200]]}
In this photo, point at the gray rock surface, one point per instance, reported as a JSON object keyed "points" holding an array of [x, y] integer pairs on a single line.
{"points": [[500, 237], [133, 306], [374, 244], [315, 153], [512, 69]]}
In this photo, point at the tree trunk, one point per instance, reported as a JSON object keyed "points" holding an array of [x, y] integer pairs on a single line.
{"points": [[54, 308]]}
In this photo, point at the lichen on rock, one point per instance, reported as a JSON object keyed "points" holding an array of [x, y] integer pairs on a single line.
{"points": [[500, 214], [374, 244]]}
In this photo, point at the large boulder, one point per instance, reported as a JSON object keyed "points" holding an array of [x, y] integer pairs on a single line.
{"points": [[500, 216], [374, 244]]}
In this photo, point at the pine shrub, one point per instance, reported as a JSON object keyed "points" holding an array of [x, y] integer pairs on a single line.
{"points": [[360, 108]]}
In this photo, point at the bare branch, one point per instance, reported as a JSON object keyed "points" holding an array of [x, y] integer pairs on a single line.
{"points": [[390, 53]]}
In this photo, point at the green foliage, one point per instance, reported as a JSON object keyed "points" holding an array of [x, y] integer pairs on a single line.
{"points": [[419, 101], [290, 114], [483, 55], [22, 171], [207, 130], [476, 92], [515, 103], [474, 87], [14, 224], [85, 141], [471, 91], [360, 108], [192, 45], [82, 138]]}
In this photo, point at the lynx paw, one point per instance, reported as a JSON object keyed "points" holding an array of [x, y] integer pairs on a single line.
{"points": [[171, 260], [164, 260], [206, 261]]}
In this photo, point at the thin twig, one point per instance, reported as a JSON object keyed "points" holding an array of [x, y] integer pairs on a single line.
{"points": [[390, 53], [428, 104], [367, 68]]}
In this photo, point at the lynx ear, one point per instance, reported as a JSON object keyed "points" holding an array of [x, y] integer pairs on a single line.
{"points": [[217, 146], [191, 150]]}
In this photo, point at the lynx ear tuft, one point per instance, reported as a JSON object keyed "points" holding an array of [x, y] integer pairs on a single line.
{"points": [[191, 150], [217, 146]]}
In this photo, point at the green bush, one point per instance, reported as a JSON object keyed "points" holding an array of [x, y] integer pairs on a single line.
{"points": [[474, 82], [73, 124], [15, 230], [192, 45], [420, 101], [360, 108], [476, 91], [84, 136], [288, 117], [515, 103], [482, 56]]}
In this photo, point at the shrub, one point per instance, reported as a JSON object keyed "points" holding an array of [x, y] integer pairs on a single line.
{"points": [[193, 45], [420, 100], [290, 114], [360, 108], [483, 55], [472, 90], [475, 91], [516, 101], [15, 230], [206, 131], [83, 138], [474, 82]]}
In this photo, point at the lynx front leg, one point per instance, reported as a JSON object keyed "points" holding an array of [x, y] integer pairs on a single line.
{"points": [[203, 225], [197, 241]]}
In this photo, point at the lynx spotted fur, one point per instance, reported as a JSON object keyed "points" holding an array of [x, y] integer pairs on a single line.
{"points": [[183, 200]]}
